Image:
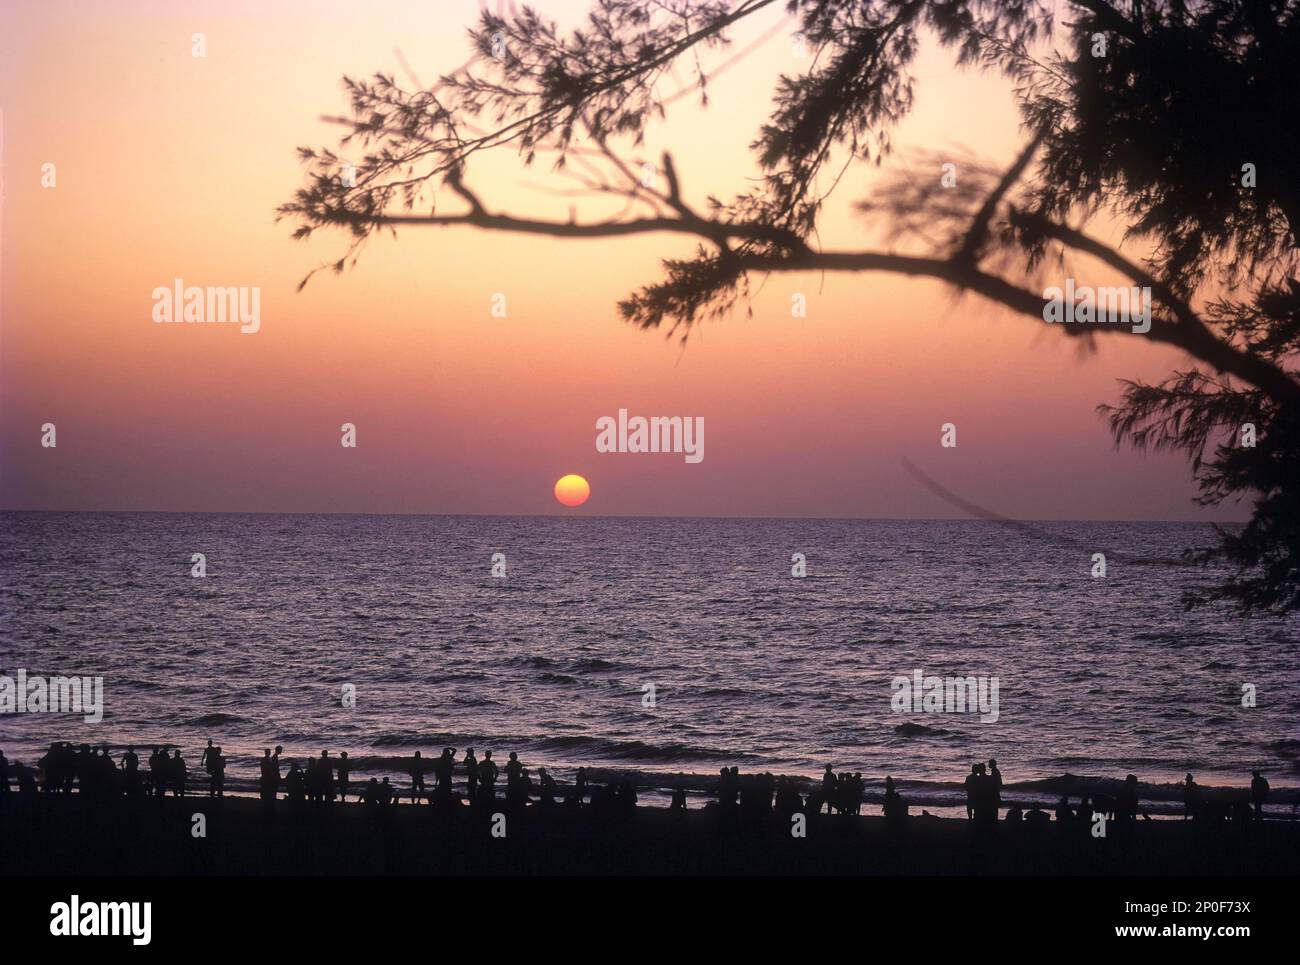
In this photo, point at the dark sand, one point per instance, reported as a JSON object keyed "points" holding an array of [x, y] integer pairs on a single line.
{"points": [[63, 835]]}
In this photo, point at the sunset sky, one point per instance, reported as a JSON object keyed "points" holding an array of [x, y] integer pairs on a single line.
{"points": [[172, 166]]}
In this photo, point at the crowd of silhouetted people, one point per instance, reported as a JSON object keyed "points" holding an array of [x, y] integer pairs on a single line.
{"points": [[449, 781], [95, 773], [841, 793], [984, 801], [1201, 807]]}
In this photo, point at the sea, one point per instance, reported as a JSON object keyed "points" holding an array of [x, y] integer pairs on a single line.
{"points": [[654, 649]]}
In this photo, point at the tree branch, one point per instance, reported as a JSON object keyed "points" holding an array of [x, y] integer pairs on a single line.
{"points": [[979, 229], [685, 222], [1194, 335], [1110, 18], [1185, 331]]}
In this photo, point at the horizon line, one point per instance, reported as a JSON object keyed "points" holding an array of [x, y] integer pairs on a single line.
{"points": [[562, 515]]}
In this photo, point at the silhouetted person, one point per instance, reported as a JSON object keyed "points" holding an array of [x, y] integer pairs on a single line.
{"points": [[524, 787], [295, 785], [471, 775], [548, 787], [386, 795], [268, 782], [1037, 818], [59, 768], [972, 792], [487, 778], [177, 774], [345, 766], [995, 783], [788, 800], [1126, 802], [987, 797], [207, 753], [81, 767], [1241, 811], [51, 767], [728, 788], [580, 787], [131, 773], [4, 773], [311, 780], [1085, 813], [1063, 812], [417, 778], [1191, 798], [325, 776], [679, 799], [443, 768], [843, 792], [66, 758], [1258, 794], [895, 808], [88, 775], [106, 775], [26, 779], [829, 788], [517, 783], [216, 772], [622, 798], [158, 771]]}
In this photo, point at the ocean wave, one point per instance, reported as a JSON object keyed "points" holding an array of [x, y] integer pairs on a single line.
{"points": [[214, 720], [598, 748], [411, 739], [910, 729], [533, 661]]}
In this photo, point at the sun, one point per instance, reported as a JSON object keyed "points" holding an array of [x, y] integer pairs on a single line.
{"points": [[572, 490]]}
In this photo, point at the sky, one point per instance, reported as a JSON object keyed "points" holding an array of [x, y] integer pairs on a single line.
{"points": [[170, 166]]}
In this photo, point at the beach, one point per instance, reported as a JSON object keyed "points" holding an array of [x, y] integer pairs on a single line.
{"points": [[66, 834]]}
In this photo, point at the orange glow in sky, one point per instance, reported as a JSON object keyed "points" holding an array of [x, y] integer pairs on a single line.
{"points": [[171, 166]]}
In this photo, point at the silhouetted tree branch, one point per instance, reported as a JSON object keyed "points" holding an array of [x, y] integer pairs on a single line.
{"points": [[1153, 135]]}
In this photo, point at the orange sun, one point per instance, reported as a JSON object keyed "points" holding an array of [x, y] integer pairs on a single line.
{"points": [[572, 490]]}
